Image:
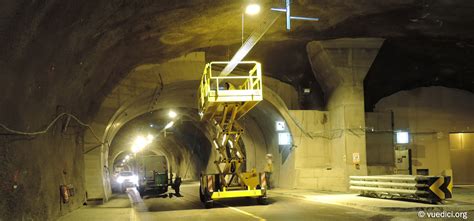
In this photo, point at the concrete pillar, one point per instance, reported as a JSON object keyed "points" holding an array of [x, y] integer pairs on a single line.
{"points": [[93, 175], [340, 67], [97, 182]]}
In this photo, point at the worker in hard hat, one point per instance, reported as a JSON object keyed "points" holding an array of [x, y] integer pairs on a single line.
{"points": [[268, 169]]}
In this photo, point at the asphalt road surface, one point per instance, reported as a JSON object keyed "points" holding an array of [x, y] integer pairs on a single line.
{"points": [[189, 207]]}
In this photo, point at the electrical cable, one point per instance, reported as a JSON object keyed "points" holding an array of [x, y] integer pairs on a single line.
{"points": [[49, 127]]}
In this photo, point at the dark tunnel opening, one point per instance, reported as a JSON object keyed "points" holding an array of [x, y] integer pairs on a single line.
{"points": [[185, 143]]}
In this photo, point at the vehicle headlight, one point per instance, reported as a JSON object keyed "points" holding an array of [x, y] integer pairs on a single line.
{"points": [[120, 180], [135, 179]]}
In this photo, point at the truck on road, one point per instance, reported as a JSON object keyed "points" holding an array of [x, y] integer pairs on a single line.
{"points": [[154, 177]]}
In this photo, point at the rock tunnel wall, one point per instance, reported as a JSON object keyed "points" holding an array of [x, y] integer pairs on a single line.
{"points": [[33, 168]]}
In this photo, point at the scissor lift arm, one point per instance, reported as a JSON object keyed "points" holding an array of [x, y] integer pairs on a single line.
{"points": [[223, 100]]}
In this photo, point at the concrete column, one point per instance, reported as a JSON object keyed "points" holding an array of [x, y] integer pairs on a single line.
{"points": [[96, 182], [340, 66]]}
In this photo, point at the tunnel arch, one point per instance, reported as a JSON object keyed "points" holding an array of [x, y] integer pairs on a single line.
{"points": [[186, 90], [178, 145], [111, 117]]}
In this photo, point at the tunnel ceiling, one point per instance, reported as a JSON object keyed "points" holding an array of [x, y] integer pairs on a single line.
{"points": [[431, 62], [88, 46], [186, 137], [187, 130]]}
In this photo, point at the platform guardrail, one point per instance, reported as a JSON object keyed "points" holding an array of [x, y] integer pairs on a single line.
{"points": [[243, 86]]}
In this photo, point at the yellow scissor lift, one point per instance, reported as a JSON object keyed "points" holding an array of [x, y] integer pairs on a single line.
{"points": [[222, 101]]}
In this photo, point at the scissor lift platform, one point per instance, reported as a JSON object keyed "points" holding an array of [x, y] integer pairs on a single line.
{"points": [[222, 101], [240, 87]]}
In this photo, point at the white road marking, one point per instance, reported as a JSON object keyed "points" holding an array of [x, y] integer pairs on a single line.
{"points": [[243, 212], [236, 209], [134, 217], [136, 202]]}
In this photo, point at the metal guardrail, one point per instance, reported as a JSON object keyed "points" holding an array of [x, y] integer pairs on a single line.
{"points": [[432, 189]]}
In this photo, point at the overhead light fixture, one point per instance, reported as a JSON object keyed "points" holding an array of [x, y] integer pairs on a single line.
{"points": [[169, 125], [150, 138], [252, 9], [141, 142], [172, 114], [135, 149]]}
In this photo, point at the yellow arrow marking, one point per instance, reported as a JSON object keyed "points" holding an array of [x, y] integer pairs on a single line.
{"points": [[435, 188], [450, 185]]}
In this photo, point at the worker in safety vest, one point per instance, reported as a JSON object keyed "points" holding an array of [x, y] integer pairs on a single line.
{"points": [[268, 169], [229, 86]]}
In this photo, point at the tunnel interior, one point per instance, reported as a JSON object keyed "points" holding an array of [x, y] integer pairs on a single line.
{"points": [[188, 143], [185, 145], [81, 79], [144, 165]]}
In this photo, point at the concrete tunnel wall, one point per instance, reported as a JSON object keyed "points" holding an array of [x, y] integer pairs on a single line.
{"points": [[141, 98], [429, 114], [255, 124]]}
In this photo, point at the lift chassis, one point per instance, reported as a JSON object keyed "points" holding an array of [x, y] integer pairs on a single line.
{"points": [[223, 100]]}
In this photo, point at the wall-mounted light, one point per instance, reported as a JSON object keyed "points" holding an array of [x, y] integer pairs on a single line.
{"points": [[284, 138], [403, 137]]}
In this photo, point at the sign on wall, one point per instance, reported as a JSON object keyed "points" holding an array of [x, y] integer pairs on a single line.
{"points": [[280, 126], [355, 158]]}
